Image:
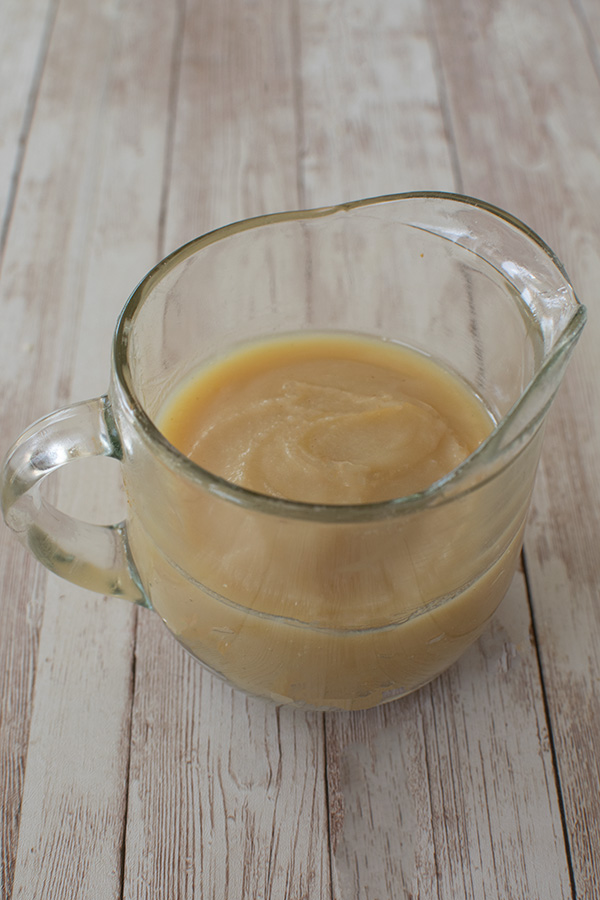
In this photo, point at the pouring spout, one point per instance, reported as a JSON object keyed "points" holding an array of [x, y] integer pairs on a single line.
{"points": [[521, 318], [531, 408]]}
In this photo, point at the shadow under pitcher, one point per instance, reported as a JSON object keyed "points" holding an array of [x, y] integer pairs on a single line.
{"points": [[319, 604]]}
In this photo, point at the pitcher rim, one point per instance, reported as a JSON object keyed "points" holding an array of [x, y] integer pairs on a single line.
{"points": [[439, 491]]}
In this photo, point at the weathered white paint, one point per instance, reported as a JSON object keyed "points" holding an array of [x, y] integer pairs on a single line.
{"points": [[127, 771]]}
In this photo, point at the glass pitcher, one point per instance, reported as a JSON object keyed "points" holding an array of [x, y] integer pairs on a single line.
{"points": [[321, 606]]}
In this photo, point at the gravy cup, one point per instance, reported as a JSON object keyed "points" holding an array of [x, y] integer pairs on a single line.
{"points": [[321, 606]]}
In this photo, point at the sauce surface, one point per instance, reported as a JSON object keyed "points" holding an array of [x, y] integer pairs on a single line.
{"points": [[313, 612], [335, 419]]}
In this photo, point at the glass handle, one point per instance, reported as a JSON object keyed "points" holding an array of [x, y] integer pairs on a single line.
{"points": [[93, 556]]}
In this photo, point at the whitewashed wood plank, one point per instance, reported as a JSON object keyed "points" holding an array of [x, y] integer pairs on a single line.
{"points": [[398, 828], [21, 594], [227, 795], [62, 385], [371, 117], [73, 808], [33, 328], [104, 124], [527, 134], [587, 14], [511, 841], [25, 29], [235, 150], [450, 793]]}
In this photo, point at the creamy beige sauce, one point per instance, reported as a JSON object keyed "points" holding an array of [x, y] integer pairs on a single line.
{"points": [[324, 614], [327, 419]]}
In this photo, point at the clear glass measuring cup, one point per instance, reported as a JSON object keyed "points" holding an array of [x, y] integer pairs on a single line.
{"points": [[324, 606]]}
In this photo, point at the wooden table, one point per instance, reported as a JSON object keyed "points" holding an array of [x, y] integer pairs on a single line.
{"points": [[126, 771]]}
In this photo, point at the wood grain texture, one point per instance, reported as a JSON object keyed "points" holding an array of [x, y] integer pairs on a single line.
{"points": [[74, 799], [96, 154], [25, 30], [227, 795], [234, 140], [28, 323], [372, 122], [21, 593], [24, 33], [527, 139], [126, 771], [450, 792], [587, 14], [427, 795]]}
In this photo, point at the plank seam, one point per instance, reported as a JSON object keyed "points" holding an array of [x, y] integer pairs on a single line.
{"points": [[31, 104], [587, 34], [444, 102], [298, 99], [63, 392], [428, 770], [175, 77], [327, 804], [132, 682], [548, 720], [8, 853]]}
